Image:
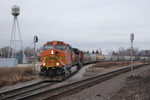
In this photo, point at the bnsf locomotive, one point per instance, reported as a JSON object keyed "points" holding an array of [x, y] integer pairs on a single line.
{"points": [[57, 59]]}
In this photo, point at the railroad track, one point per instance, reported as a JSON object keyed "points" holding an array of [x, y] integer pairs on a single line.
{"points": [[62, 91], [26, 90]]}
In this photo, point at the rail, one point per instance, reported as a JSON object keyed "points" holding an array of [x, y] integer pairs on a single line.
{"points": [[15, 93]]}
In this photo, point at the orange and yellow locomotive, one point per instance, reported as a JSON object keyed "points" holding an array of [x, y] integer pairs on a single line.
{"points": [[57, 59]]}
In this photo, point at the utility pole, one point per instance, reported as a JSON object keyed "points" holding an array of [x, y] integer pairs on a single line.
{"points": [[100, 51], [132, 38], [35, 39]]}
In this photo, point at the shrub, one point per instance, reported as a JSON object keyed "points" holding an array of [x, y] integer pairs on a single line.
{"points": [[12, 75]]}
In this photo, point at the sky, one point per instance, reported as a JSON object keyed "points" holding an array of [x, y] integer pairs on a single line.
{"points": [[84, 24]]}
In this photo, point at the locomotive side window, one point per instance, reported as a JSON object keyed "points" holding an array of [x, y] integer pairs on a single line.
{"points": [[47, 47], [68, 48], [60, 47]]}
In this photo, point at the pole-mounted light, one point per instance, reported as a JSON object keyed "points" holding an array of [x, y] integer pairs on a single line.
{"points": [[131, 38], [35, 39]]}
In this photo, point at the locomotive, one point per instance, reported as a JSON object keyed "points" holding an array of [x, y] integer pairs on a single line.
{"points": [[57, 59]]}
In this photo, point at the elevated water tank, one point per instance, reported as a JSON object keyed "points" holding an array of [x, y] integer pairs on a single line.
{"points": [[15, 10]]}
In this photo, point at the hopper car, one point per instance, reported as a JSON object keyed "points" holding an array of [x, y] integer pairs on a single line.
{"points": [[58, 58]]}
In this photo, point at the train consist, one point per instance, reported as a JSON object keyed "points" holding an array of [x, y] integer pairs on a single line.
{"points": [[58, 58]]}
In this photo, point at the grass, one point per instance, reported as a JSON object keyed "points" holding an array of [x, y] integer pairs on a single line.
{"points": [[13, 75], [106, 65]]}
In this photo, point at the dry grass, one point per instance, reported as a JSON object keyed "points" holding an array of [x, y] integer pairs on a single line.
{"points": [[106, 65], [13, 75]]}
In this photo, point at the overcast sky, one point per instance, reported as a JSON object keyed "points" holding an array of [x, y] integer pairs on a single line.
{"points": [[85, 24]]}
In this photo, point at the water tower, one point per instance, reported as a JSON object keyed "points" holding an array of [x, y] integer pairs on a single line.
{"points": [[15, 11]]}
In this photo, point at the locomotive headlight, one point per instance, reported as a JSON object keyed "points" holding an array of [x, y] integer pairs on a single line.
{"points": [[44, 64], [57, 64], [52, 52]]}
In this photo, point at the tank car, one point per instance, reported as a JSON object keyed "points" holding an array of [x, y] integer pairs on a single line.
{"points": [[92, 58], [146, 58], [107, 58], [127, 58], [86, 57], [121, 58], [133, 58], [114, 58]]}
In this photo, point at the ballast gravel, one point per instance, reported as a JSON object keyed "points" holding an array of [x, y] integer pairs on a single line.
{"points": [[106, 89]]}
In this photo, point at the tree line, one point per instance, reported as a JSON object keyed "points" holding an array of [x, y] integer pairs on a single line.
{"points": [[29, 51], [126, 52]]}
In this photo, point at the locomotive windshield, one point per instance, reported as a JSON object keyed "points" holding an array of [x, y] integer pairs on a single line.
{"points": [[47, 47], [60, 47]]}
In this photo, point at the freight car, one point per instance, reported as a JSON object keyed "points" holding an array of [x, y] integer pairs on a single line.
{"points": [[107, 58], [101, 57], [114, 58], [127, 58]]}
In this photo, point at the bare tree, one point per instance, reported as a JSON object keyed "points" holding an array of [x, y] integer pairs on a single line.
{"points": [[29, 51], [39, 50], [100, 51], [109, 51], [115, 53], [144, 53], [135, 51], [5, 51], [126, 52], [97, 52], [121, 51]]}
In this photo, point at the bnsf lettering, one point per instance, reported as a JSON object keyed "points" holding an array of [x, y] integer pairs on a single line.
{"points": [[52, 58]]}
